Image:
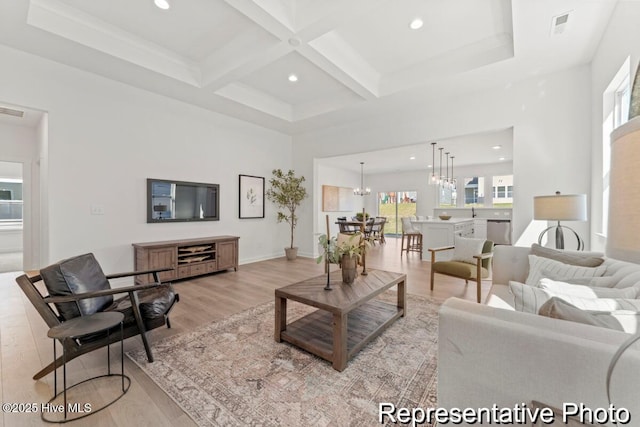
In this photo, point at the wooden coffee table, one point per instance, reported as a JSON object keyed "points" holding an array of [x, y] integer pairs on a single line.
{"points": [[348, 316]]}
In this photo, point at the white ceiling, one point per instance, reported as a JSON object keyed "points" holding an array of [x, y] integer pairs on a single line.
{"points": [[352, 57], [467, 150]]}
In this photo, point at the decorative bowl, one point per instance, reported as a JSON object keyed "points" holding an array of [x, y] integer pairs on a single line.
{"points": [[444, 217]]}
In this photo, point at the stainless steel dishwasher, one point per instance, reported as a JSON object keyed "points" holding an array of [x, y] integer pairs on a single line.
{"points": [[499, 231]]}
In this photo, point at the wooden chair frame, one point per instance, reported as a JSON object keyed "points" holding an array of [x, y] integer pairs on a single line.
{"points": [[479, 258], [74, 348]]}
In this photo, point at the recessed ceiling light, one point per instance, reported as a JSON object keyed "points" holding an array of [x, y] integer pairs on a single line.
{"points": [[497, 147], [416, 24], [162, 4], [412, 158], [501, 158], [293, 78]]}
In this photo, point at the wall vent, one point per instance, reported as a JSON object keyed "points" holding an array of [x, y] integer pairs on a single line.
{"points": [[559, 23], [11, 112]]}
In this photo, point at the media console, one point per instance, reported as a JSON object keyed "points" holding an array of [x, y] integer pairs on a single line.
{"points": [[187, 258]]}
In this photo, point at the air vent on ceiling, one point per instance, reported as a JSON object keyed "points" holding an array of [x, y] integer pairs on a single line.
{"points": [[559, 23], [11, 112]]}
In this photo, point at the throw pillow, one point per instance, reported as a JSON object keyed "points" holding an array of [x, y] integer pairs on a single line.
{"points": [[539, 264], [566, 257], [465, 248], [557, 308], [595, 282], [529, 299], [585, 291]]}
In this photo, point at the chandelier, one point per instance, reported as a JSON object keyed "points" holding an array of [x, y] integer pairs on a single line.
{"points": [[362, 191]]}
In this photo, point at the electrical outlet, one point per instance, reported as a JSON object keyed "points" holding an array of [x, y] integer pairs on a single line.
{"points": [[97, 210]]}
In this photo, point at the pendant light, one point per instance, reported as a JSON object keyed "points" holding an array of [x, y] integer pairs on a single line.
{"points": [[446, 182], [362, 191], [440, 177], [453, 179], [433, 162]]}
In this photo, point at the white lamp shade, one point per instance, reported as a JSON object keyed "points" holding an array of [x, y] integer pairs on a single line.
{"points": [[623, 239], [560, 207]]}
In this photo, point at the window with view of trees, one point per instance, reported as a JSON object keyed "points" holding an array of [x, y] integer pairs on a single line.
{"points": [[393, 206]]}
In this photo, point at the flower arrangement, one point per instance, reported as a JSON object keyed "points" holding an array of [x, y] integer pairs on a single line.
{"points": [[334, 248], [361, 217]]}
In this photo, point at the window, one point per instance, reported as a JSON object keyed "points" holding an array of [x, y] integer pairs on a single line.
{"points": [[621, 103], [10, 200], [503, 191], [474, 191], [447, 196], [394, 205]]}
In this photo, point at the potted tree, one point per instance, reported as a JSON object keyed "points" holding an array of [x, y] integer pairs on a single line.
{"points": [[287, 193]]}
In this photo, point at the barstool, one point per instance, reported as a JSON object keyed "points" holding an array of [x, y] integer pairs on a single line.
{"points": [[413, 238], [78, 328]]}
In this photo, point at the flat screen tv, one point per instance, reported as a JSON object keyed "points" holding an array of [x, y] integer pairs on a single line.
{"points": [[181, 201]]}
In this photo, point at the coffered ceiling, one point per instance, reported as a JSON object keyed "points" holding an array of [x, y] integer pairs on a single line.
{"points": [[350, 57]]}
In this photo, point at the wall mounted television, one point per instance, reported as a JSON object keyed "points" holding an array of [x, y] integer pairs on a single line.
{"points": [[181, 201]]}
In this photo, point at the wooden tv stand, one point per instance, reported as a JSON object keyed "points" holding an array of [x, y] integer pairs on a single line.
{"points": [[187, 258]]}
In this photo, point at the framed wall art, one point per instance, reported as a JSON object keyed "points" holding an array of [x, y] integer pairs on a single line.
{"points": [[337, 199], [251, 196]]}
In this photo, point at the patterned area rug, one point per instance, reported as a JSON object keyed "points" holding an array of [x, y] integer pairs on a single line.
{"points": [[233, 373]]}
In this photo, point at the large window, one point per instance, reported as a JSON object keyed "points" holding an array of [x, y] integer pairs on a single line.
{"points": [[474, 192], [503, 191], [394, 205]]}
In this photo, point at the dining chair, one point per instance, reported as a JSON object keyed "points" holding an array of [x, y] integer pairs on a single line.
{"points": [[411, 236]]}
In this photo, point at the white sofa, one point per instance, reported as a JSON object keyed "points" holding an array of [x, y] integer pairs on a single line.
{"points": [[490, 354]]}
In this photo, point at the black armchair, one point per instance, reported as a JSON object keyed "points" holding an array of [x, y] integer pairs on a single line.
{"points": [[78, 287]]}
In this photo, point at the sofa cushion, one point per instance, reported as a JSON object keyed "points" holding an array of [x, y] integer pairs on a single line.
{"points": [[594, 282], [465, 248], [539, 266], [73, 276], [153, 303], [463, 270], [571, 258], [585, 291], [529, 299], [557, 308]]}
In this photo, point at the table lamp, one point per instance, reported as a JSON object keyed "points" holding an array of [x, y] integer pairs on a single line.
{"points": [[560, 207], [624, 193], [624, 205]]}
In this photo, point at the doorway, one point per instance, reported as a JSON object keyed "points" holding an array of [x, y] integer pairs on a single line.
{"points": [[11, 216], [394, 205]]}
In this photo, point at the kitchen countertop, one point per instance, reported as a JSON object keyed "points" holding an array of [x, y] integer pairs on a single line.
{"points": [[442, 221]]}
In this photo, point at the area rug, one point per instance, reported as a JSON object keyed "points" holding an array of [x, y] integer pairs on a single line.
{"points": [[233, 373]]}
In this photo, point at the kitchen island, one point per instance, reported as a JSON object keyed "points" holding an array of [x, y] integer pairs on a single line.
{"points": [[437, 233]]}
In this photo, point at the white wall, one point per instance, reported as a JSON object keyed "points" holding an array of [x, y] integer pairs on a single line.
{"points": [[619, 42], [327, 175], [550, 115], [105, 138]]}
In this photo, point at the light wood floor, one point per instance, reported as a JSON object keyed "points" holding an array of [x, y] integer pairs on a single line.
{"points": [[25, 348]]}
